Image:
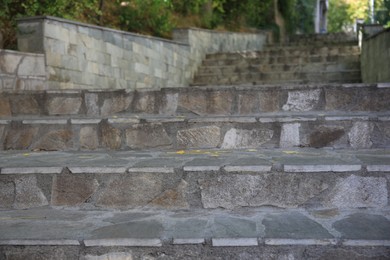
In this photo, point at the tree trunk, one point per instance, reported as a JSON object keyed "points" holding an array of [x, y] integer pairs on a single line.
{"points": [[279, 20]]}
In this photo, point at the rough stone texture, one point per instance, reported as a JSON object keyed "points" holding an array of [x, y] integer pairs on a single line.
{"points": [[70, 190], [25, 105], [249, 103], [130, 191], [40, 253], [240, 138], [194, 102], [110, 256], [5, 107], [356, 191], [270, 101], [28, 194], [170, 104], [7, 194], [144, 102], [111, 137], [220, 102], [64, 105], [138, 229], [233, 227], [20, 138], [147, 136], [289, 136], [172, 198], [54, 140], [115, 105], [325, 135], [360, 135], [304, 100], [269, 189], [199, 137], [91, 103], [88, 138]]}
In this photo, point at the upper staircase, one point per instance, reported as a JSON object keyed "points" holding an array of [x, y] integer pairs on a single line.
{"points": [[302, 60], [289, 159]]}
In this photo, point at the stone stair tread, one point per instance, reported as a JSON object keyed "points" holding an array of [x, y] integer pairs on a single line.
{"points": [[23, 162], [154, 228]]}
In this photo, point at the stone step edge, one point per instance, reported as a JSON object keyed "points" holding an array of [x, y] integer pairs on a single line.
{"points": [[267, 117], [214, 242], [266, 168], [265, 54]]}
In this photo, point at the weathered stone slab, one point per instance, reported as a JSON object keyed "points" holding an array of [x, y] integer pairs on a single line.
{"points": [[54, 140], [364, 226], [109, 256], [199, 137], [25, 105], [111, 137], [172, 198], [360, 135], [91, 103], [5, 107], [28, 194], [290, 136], [20, 138], [241, 138], [115, 105], [302, 100], [88, 138], [141, 136], [142, 229], [169, 104], [356, 191], [220, 102], [194, 102], [234, 190], [192, 228], [270, 101], [293, 225], [130, 191], [70, 190], [64, 105], [234, 227], [248, 103], [325, 135], [7, 194]]}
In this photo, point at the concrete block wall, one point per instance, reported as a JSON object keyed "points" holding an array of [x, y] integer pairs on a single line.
{"points": [[82, 56], [22, 71], [375, 58]]}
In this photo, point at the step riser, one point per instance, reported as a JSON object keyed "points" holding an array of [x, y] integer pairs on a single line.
{"points": [[193, 187], [226, 133], [200, 101], [195, 252]]}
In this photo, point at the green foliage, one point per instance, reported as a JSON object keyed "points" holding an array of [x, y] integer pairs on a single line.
{"points": [[338, 16], [383, 13], [147, 16]]}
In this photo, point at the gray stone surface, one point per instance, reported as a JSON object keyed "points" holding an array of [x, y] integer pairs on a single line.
{"points": [[20, 138], [355, 191], [115, 105], [7, 194], [199, 137], [111, 137], [88, 138], [147, 136], [234, 227], [64, 105], [109, 256], [302, 100], [360, 135], [290, 136], [53, 140], [324, 135], [241, 138], [28, 194]]}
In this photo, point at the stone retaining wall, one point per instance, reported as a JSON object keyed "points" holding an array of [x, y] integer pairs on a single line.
{"points": [[22, 71], [375, 58], [81, 56]]}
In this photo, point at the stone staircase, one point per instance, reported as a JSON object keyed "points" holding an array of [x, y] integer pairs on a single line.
{"points": [[242, 171], [334, 60]]}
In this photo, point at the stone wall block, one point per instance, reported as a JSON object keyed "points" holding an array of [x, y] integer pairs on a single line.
{"points": [[88, 138], [130, 191], [9, 62], [19, 137], [241, 138], [302, 100], [356, 191], [7, 194], [91, 104], [63, 105], [25, 105], [54, 140], [324, 135], [143, 136], [199, 137], [111, 137], [116, 104], [70, 190], [28, 194], [360, 135], [193, 102], [235, 190], [172, 198], [290, 135], [32, 66], [5, 107], [169, 104]]}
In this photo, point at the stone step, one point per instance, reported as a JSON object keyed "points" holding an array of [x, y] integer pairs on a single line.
{"points": [[285, 51], [272, 130], [196, 179], [281, 77], [214, 100], [228, 70], [257, 234]]}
